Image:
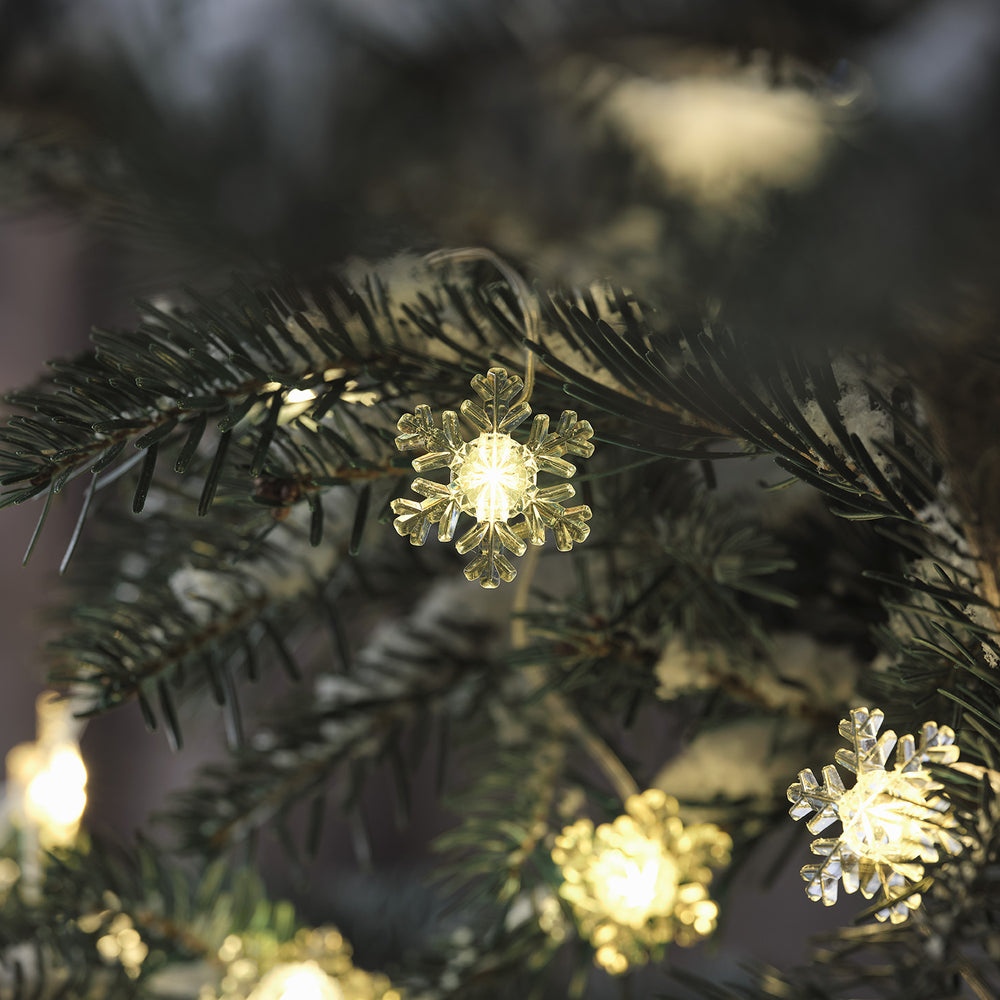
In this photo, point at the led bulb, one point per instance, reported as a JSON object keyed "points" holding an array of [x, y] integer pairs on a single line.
{"points": [[493, 475], [874, 815], [493, 478], [641, 881], [894, 821], [636, 883]]}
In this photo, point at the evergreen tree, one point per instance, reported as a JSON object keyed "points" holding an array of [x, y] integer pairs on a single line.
{"points": [[675, 321]]}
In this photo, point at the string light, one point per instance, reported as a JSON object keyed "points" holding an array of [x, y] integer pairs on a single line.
{"points": [[122, 943], [315, 965], [493, 478], [640, 882], [297, 402], [893, 822], [493, 475], [47, 779], [297, 981], [635, 881]]}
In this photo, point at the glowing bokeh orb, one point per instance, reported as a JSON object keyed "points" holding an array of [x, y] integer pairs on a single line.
{"points": [[57, 795], [297, 981]]}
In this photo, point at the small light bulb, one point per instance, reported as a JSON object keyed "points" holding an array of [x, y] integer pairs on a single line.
{"points": [[635, 883], [494, 475]]}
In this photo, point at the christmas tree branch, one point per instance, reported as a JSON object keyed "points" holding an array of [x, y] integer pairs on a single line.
{"points": [[176, 601], [419, 666]]}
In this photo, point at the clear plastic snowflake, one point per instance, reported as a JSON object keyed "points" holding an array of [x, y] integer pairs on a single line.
{"points": [[640, 882], [892, 821], [493, 478], [316, 964]]}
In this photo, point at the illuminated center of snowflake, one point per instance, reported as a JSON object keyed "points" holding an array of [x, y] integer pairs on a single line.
{"points": [[493, 475], [297, 981], [874, 814], [634, 884]]}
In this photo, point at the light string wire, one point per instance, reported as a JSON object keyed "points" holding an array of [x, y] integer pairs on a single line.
{"points": [[517, 284]]}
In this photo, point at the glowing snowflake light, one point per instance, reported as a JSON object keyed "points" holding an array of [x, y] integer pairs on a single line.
{"points": [[640, 882], [297, 981], [493, 478], [47, 779], [892, 823], [315, 965]]}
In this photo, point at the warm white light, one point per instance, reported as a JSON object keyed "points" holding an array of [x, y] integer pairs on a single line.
{"points": [[636, 883], [494, 475], [297, 981], [874, 815], [56, 795], [47, 779]]}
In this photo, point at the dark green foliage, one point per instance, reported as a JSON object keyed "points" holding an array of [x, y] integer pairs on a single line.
{"points": [[422, 672], [506, 809], [138, 631], [49, 947], [230, 364], [684, 567], [282, 525]]}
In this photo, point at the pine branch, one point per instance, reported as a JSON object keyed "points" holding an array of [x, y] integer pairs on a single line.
{"points": [[696, 573], [54, 947], [822, 423], [505, 815], [426, 666], [940, 639], [204, 378], [172, 604], [235, 361]]}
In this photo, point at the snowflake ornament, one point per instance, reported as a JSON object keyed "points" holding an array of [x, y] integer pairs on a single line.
{"points": [[493, 478], [316, 964], [892, 821], [640, 882]]}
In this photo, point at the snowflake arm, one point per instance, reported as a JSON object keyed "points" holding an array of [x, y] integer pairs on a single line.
{"points": [[490, 566], [569, 525], [871, 751], [493, 478], [806, 795], [571, 435], [493, 416], [417, 430], [893, 822]]}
